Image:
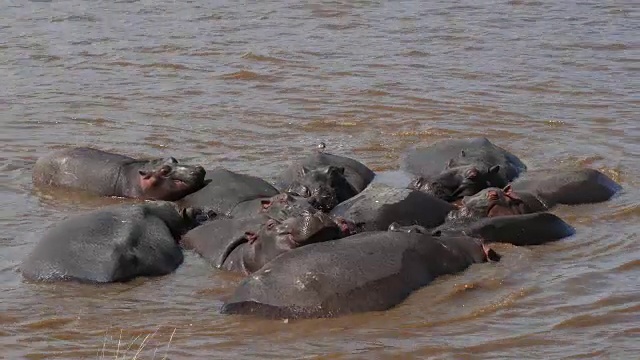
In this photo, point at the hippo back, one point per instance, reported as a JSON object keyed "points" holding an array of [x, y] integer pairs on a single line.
{"points": [[371, 271], [226, 189], [379, 205], [117, 243], [567, 186], [85, 169], [211, 239]]}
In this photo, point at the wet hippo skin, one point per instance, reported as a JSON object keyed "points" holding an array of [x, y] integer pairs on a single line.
{"points": [[107, 174], [370, 271], [115, 243]]}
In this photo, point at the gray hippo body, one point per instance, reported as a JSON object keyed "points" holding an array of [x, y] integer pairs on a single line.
{"points": [[226, 189], [451, 169], [116, 243], [567, 186], [380, 205], [212, 239], [106, 174], [371, 271], [519, 230], [245, 245], [273, 206]]}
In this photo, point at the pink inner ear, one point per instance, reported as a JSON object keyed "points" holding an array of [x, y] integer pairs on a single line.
{"points": [[265, 204], [251, 237]]}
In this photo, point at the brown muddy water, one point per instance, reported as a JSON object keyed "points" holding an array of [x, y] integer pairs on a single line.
{"points": [[251, 85]]}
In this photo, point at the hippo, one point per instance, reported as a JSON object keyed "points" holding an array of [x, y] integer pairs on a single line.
{"points": [[273, 206], [325, 179], [113, 244], [107, 174], [452, 169], [356, 173], [369, 271], [379, 205], [226, 189], [520, 230], [245, 245], [494, 202], [567, 186]]}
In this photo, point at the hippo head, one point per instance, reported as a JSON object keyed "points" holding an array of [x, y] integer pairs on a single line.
{"points": [[194, 217], [284, 205], [490, 202], [456, 183], [324, 187], [276, 237], [166, 179]]}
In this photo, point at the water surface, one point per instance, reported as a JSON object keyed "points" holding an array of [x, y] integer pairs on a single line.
{"points": [[252, 85]]}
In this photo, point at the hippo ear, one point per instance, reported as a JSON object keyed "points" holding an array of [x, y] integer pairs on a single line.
{"points": [[265, 204], [494, 169], [507, 189], [334, 170], [394, 226], [417, 183], [145, 174], [451, 163], [250, 236], [462, 153], [491, 254], [304, 171]]}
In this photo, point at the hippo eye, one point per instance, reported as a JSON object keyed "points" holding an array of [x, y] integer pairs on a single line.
{"points": [[271, 224], [492, 195], [305, 191], [173, 160], [165, 170]]}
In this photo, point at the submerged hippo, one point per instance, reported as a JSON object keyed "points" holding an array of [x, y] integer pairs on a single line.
{"points": [[106, 174], [567, 186], [226, 189], [379, 205], [495, 202], [452, 169], [370, 271], [116, 243], [520, 230], [245, 245], [273, 206], [356, 173], [325, 179]]}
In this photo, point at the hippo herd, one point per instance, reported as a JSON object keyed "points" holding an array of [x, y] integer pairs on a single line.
{"points": [[324, 239]]}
